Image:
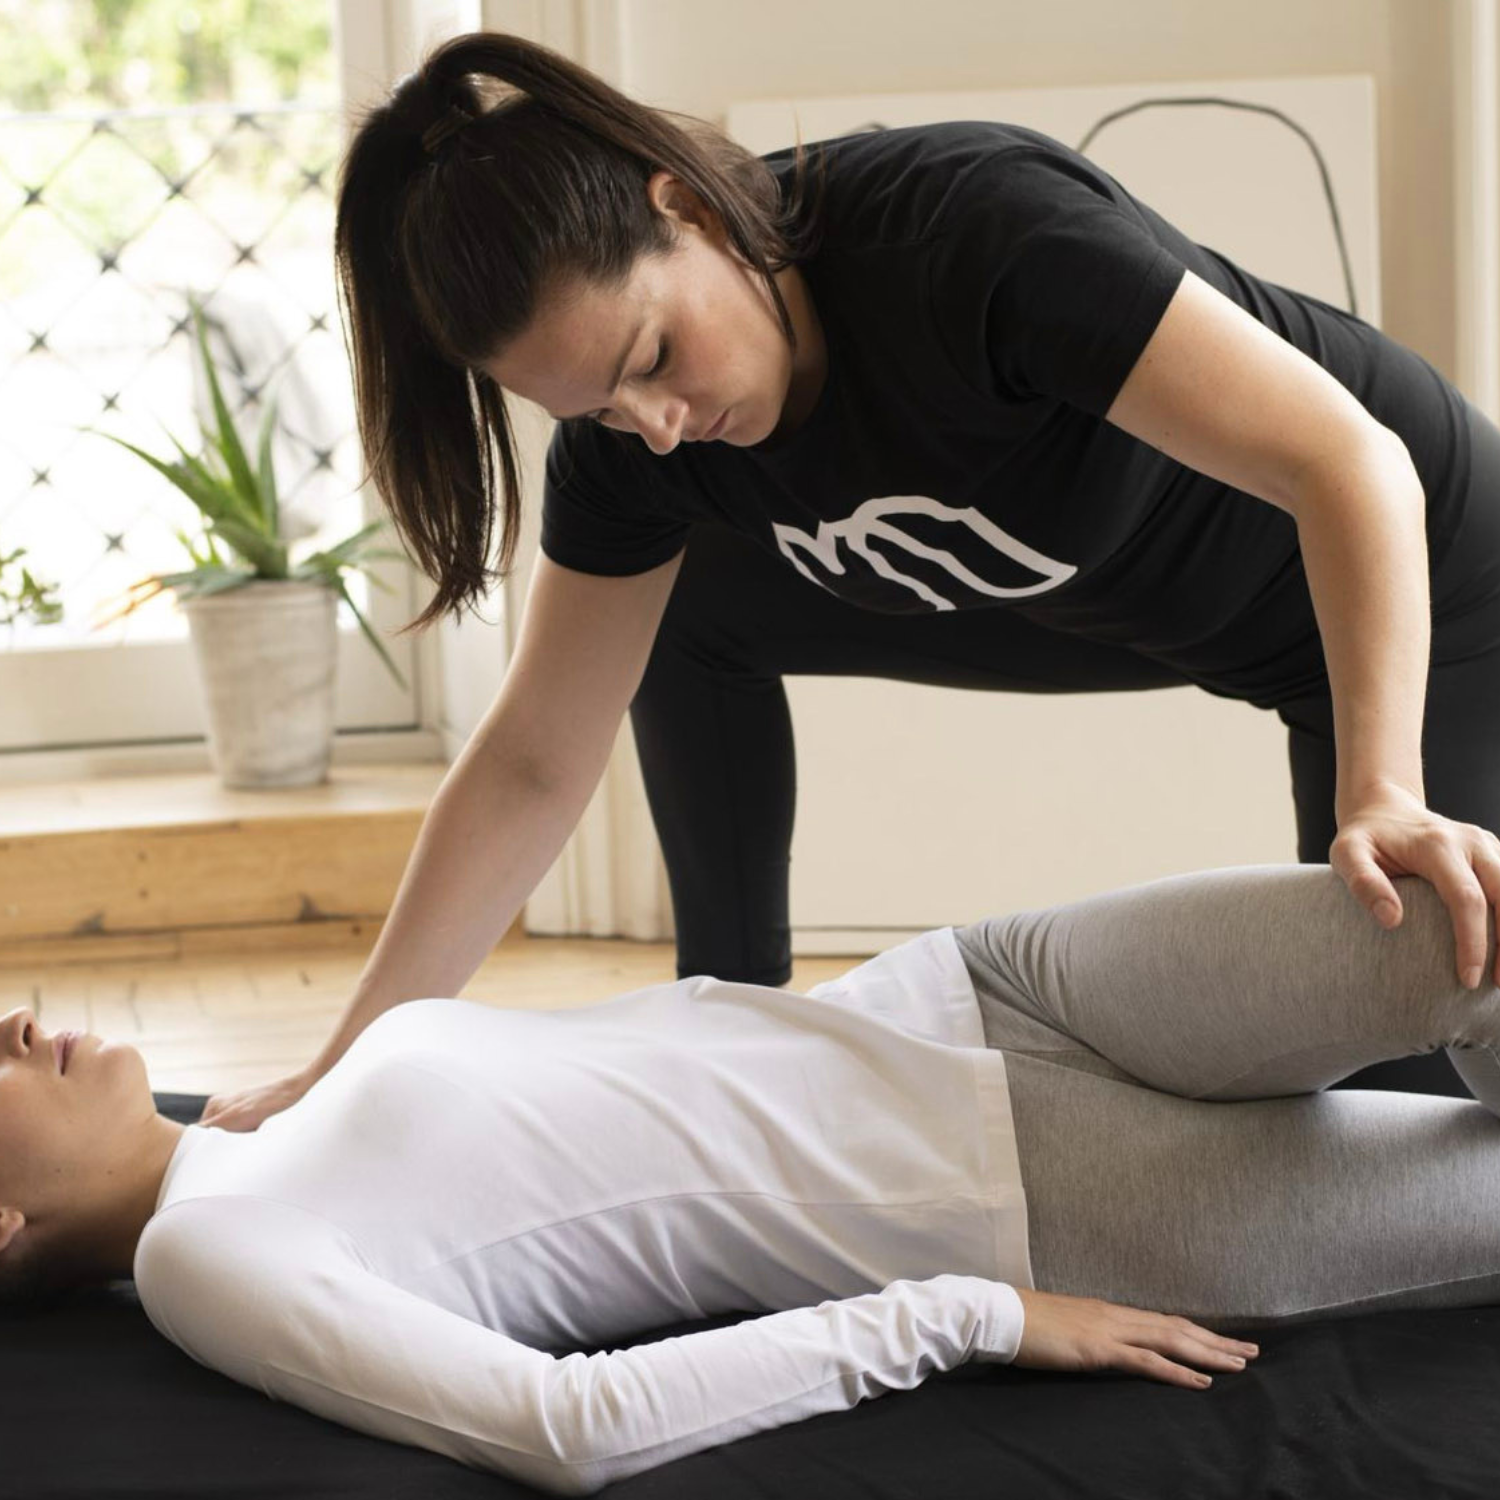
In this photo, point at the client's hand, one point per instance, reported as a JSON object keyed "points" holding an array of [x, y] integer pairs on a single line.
{"points": [[246, 1109], [1083, 1333]]}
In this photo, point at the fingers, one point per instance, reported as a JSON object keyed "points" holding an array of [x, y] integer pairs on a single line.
{"points": [[1487, 869], [1468, 891], [1086, 1333], [1462, 862], [223, 1115], [1155, 1367], [1208, 1350], [1373, 889], [1352, 854], [1163, 1348], [1214, 1340]]}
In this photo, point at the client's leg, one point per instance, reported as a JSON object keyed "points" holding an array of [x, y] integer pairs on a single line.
{"points": [[1275, 1210], [1235, 984]]}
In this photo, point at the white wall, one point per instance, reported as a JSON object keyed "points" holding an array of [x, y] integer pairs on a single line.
{"points": [[698, 55]]}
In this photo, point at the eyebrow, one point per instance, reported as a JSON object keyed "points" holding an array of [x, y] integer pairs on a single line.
{"points": [[619, 370]]}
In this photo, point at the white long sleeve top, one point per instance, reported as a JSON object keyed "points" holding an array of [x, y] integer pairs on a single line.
{"points": [[413, 1248]]}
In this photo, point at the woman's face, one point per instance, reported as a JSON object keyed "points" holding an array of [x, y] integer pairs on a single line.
{"points": [[61, 1129], [692, 334]]}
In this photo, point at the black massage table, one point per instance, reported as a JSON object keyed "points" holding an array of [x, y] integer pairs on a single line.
{"points": [[95, 1405]]}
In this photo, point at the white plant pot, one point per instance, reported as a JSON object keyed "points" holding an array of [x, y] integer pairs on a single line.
{"points": [[266, 654]]}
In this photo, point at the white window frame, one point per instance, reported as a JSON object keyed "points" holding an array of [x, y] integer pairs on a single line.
{"points": [[136, 708]]}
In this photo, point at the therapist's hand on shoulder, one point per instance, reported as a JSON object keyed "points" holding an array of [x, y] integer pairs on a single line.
{"points": [[1084, 1333], [1395, 833]]}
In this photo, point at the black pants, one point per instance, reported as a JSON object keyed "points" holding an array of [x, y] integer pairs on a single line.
{"points": [[714, 733]]}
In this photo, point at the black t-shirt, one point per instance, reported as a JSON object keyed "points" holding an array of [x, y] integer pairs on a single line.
{"points": [[984, 292]]}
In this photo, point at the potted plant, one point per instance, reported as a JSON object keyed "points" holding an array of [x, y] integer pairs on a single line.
{"points": [[262, 627]]}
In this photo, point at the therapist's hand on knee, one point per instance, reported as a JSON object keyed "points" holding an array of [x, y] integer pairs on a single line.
{"points": [[1083, 1333], [1394, 833]]}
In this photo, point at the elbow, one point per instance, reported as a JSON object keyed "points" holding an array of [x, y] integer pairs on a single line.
{"points": [[524, 768], [570, 1471], [1398, 455], [582, 1480], [1374, 463]]}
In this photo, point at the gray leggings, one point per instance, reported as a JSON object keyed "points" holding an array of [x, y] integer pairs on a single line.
{"points": [[1131, 1019]]}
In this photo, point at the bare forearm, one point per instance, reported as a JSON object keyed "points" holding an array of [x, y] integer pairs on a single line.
{"points": [[492, 831], [1363, 535]]}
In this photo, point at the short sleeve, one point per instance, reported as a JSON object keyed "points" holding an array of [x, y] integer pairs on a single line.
{"points": [[599, 512], [1049, 279]]}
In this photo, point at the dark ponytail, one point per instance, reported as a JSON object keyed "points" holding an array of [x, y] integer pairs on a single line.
{"points": [[495, 172]]}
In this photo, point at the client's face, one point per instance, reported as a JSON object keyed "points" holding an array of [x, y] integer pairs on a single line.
{"points": [[64, 1127]]}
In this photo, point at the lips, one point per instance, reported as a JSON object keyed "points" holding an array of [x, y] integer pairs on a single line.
{"points": [[717, 428], [63, 1044]]}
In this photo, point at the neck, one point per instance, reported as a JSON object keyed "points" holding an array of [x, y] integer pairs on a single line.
{"points": [[105, 1239], [810, 359]]}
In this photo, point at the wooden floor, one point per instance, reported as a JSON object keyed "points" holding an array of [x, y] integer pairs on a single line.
{"points": [[227, 1021]]}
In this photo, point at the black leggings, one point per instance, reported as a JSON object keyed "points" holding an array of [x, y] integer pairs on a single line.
{"points": [[714, 733]]}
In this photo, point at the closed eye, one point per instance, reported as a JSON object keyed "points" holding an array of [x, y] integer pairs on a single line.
{"points": [[656, 369]]}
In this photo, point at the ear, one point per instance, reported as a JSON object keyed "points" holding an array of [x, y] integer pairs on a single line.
{"points": [[671, 197], [12, 1222]]}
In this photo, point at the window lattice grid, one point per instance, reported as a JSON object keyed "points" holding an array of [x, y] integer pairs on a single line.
{"points": [[107, 220]]}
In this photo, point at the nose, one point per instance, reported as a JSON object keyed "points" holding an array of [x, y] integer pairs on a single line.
{"points": [[18, 1032], [661, 424]]}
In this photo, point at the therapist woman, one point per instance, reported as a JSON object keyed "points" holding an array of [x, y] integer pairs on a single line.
{"points": [[943, 404]]}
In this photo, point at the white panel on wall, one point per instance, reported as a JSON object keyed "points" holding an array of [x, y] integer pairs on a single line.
{"points": [[920, 806], [1229, 175]]}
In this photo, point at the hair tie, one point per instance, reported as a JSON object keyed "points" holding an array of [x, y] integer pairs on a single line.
{"points": [[444, 127]]}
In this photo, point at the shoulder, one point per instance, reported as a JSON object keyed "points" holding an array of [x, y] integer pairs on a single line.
{"points": [[226, 1277], [199, 1241], [896, 185]]}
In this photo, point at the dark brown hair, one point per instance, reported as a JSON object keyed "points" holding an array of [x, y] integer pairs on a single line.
{"points": [[34, 1279], [495, 173]]}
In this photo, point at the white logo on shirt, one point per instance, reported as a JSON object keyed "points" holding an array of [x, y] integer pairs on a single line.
{"points": [[871, 521]]}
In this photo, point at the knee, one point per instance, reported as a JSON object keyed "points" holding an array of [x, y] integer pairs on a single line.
{"points": [[1424, 950], [1426, 916]]}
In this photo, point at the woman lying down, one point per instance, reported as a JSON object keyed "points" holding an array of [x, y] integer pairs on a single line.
{"points": [[1002, 1142]]}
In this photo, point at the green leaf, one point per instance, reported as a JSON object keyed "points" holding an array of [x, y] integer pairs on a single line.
{"points": [[229, 444], [265, 469], [318, 568], [227, 579], [268, 558], [346, 550], [220, 498], [202, 559], [204, 494], [370, 635]]}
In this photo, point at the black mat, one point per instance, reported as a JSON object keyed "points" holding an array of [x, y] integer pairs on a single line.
{"points": [[94, 1405]]}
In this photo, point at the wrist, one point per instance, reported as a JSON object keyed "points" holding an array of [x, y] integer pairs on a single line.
{"points": [[1379, 789], [311, 1072]]}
